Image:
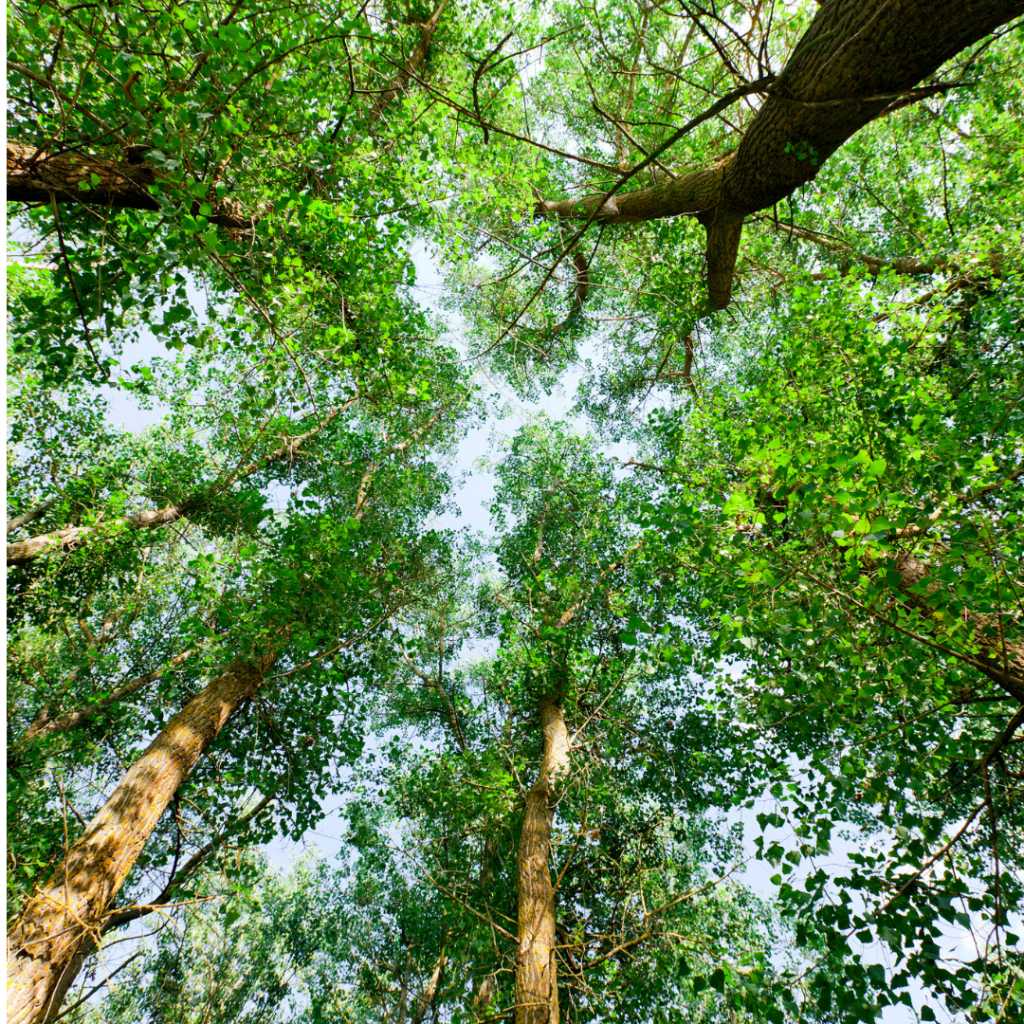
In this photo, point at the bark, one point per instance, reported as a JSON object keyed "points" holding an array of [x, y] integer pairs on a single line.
{"points": [[38, 176], [73, 537], [1000, 657], [858, 61], [536, 968], [426, 998], [411, 67], [61, 921]]}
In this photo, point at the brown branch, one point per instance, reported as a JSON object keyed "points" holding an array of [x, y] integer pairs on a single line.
{"points": [[73, 537]]}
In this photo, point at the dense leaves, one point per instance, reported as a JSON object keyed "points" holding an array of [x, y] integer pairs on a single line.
{"points": [[765, 581]]}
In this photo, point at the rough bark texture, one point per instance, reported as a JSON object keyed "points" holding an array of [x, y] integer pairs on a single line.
{"points": [[72, 537], [37, 176], [61, 920], [536, 973], [856, 62]]}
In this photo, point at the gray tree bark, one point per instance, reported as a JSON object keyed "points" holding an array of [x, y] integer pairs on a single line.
{"points": [[858, 61]]}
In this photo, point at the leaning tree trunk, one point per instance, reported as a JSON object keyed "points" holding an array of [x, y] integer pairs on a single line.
{"points": [[856, 62], [997, 654], [73, 537], [61, 920], [536, 976]]}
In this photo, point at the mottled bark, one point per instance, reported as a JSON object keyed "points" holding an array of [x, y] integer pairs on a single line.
{"points": [[858, 61], [62, 919], [536, 968]]}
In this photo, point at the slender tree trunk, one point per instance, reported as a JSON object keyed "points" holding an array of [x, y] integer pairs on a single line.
{"points": [[858, 61], [485, 984], [411, 67], [45, 724], [536, 970], [73, 537], [61, 920], [426, 998]]}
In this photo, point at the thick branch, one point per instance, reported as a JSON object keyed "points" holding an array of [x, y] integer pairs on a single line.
{"points": [[858, 60], [34, 176]]}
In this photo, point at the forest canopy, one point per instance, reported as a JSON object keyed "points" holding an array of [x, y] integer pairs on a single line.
{"points": [[720, 718]]}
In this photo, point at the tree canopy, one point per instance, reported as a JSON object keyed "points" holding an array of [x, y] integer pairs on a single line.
{"points": [[721, 719]]}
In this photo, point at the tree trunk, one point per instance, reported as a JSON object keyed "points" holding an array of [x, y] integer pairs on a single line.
{"points": [[536, 973], [61, 920], [998, 656], [426, 999], [855, 63], [411, 67], [73, 537]]}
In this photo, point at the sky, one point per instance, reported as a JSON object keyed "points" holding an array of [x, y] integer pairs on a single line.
{"points": [[473, 495]]}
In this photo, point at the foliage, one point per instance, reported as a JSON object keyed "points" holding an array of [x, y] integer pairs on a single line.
{"points": [[784, 624]]}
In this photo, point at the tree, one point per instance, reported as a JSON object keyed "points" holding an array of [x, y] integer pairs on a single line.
{"points": [[155, 152], [562, 822], [848, 494], [298, 590], [805, 595], [855, 63]]}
